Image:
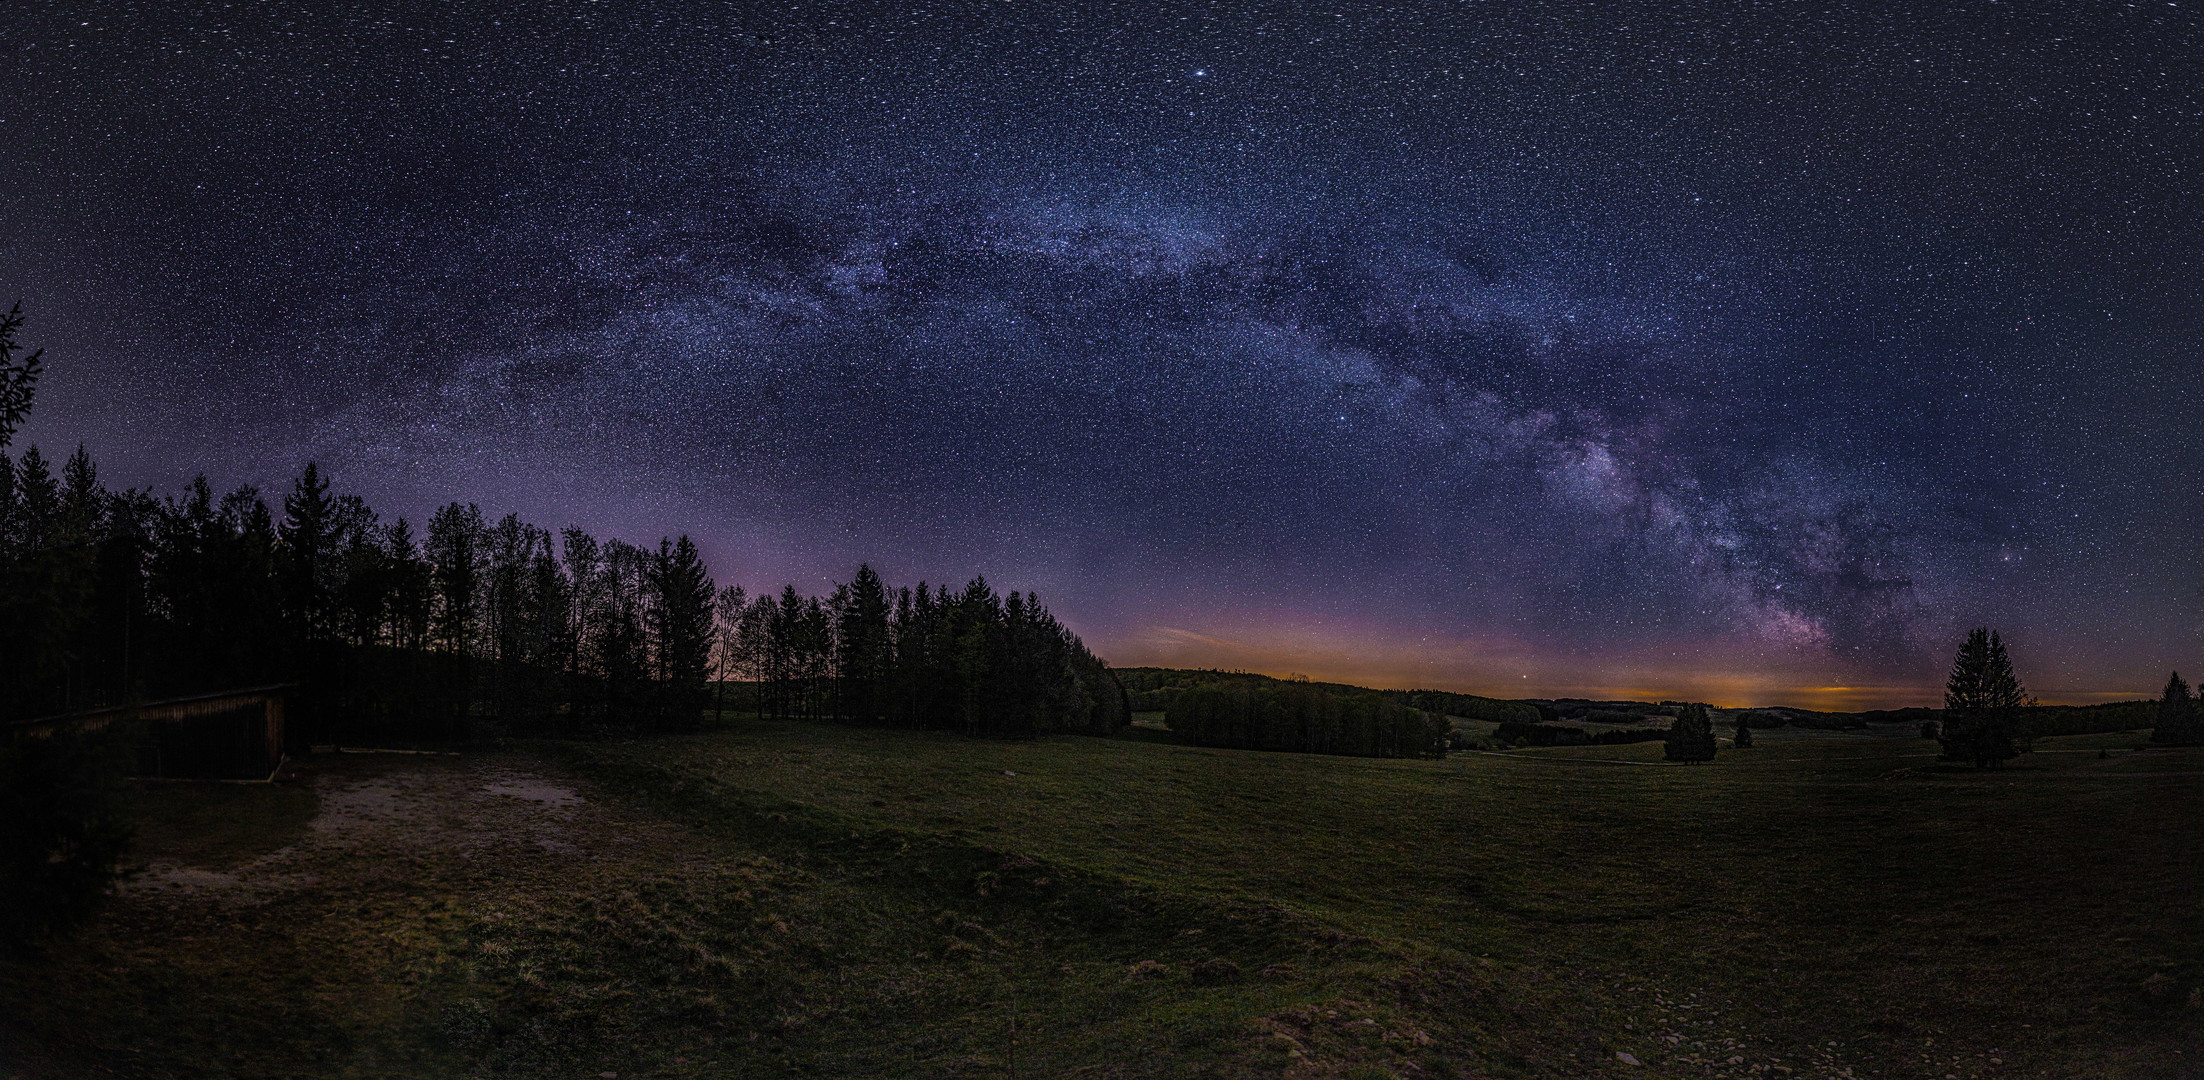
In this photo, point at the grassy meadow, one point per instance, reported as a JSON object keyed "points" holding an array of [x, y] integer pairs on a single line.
{"points": [[815, 900]]}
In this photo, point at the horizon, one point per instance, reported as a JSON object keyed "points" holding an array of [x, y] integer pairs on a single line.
{"points": [[1560, 349]]}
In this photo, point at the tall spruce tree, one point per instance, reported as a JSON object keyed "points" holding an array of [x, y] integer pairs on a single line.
{"points": [[309, 537], [1691, 737], [1982, 702], [2178, 722], [862, 645], [681, 620]]}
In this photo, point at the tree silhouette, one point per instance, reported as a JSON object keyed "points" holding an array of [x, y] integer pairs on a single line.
{"points": [[1742, 740], [2178, 722], [681, 629], [1982, 702], [18, 378], [308, 535], [863, 643], [1691, 736]]}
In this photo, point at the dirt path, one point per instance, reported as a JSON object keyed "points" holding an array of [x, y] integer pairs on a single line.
{"points": [[322, 908], [480, 813]]}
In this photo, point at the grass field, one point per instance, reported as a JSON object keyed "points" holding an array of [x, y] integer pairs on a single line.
{"points": [[784, 899]]}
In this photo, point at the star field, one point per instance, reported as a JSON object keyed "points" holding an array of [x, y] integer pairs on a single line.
{"points": [[1740, 352]]}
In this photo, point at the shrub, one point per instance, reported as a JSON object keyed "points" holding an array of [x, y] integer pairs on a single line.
{"points": [[1691, 738], [62, 827]]}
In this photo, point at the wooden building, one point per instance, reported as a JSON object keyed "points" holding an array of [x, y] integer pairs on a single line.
{"points": [[232, 735]]}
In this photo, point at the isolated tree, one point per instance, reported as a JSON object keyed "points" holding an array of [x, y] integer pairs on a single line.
{"points": [[1691, 736], [1982, 702], [1742, 739], [2178, 722]]}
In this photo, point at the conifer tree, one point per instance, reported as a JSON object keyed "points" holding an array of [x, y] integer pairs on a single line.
{"points": [[862, 647], [1742, 740], [2178, 722], [1982, 702], [308, 535], [1691, 737], [63, 827], [681, 628], [18, 378]]}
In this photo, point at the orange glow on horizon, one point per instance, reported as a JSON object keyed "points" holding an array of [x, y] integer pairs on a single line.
{"points": [[1324, 654]]}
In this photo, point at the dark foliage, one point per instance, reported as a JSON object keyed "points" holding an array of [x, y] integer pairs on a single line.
{"points": [[1466, 706], [1278, 715], [1741, 738], [1517, 733], [1153, 689], [62, 827], [1691, 737], [481, 628], [1609, 712], [2178, 721], [920, 657], [18, 378], [1983, 700]]}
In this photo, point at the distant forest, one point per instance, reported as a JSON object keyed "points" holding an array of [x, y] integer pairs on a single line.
{"points": [[1256, 712], [1235, 719], [1153, 688], [470, 628]]}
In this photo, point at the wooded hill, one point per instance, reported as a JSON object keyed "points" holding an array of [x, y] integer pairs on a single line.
{"points": [[1153, 688]]}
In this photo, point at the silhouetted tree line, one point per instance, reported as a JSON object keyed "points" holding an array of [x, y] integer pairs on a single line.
{"points": [[1153, 689], [1518, 733], [917, 657], [474, 627], [1466, 706], [62, 821], [471, 626], [466, 628], [1276, 715]]}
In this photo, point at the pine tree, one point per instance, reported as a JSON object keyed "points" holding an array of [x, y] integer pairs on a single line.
{"points": [[1982, 702], [309, 535], [862, 648], [681, 628], [1742, 740], [1691, 737], [18, 378], [2178, 722]]}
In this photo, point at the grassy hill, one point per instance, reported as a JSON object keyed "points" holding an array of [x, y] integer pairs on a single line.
{"points": [[789, 899]]}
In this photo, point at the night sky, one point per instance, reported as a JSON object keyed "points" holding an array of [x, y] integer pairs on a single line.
{"points": [[1744, 352]]}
